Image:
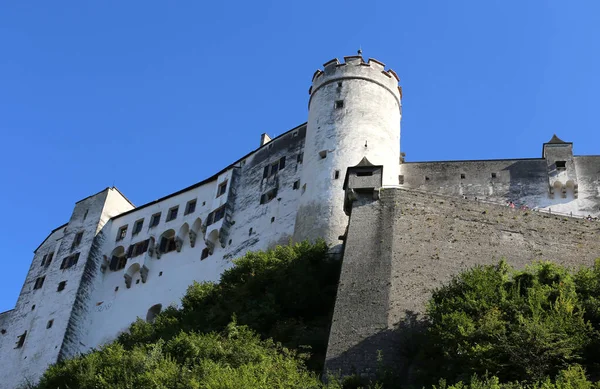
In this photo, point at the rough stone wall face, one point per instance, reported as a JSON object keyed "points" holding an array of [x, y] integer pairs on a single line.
{"points": [[425, 239]]}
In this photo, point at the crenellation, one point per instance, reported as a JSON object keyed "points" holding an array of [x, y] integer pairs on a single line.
{"points": [[408, 220]]}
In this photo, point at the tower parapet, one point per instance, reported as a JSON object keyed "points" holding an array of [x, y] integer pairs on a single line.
{"points": [[354, 112]]}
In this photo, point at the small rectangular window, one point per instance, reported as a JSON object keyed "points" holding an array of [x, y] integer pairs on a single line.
{"points": [[155, 219], [266, 172], [336, 175], [250, 231], [39, 282], [426, 178], [462, 176], [300, 158], [49, 324], [122, 233], [69, 261], [281, 163], [44, 260], [364, 174], [222, 189], [172, 215], [190, 207], [296, 185], [401, 179], [274, 168], [339, 104], [61, 286], [77, 240], [323, 154], [268, 196], [493, 175], [137, 227], [21, 340], [561, 165]]}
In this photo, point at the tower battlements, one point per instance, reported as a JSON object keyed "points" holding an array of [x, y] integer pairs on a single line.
{"points": [[354, 67]]}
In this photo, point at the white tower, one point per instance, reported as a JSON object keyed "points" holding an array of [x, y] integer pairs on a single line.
{"points": [[354, 112]]}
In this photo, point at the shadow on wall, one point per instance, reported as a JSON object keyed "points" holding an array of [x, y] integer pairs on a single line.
{"points": [[529, 185], [394, 353]]}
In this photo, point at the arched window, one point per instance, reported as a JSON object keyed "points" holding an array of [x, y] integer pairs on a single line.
{"points": [[167, 241], [153, 312], [117, 259]]}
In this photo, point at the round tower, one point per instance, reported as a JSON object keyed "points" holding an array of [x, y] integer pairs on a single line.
{"points": [[354, 112]]}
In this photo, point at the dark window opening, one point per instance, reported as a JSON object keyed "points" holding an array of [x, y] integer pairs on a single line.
{"points": [[155, 219], [122, 233], [401, 179], [336, 175], [561, 165], [160, 274], [250, 231], [493, 175], [117, 262], [137, 249], [77, 240], [339, 84], [47, 259], [281, 163], [33, 307], [172, 215], [296, 185], [230, 241], [49, 324], [274, 168], [222, 189], [85, 214], [215, 216], [203, 203], [272, 219], [137, 281], [339, 104], [167, 244], [323, 154], [190, 207], [116, 288], [268, 196], [39, 282], [300, 158], [137, 227], [364, 174], [462, 176], [205, 253], [69, 261], [61, 286], [266, 172], [21, 340], [426, 178]]}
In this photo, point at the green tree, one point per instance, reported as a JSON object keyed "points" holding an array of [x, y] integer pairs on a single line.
{"points": [[516, 325]]}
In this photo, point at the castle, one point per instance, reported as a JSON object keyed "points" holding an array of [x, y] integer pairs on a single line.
{"points": [[341, 177]]}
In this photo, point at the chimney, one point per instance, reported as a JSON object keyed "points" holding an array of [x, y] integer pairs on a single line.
{"points": [[264, 139]]}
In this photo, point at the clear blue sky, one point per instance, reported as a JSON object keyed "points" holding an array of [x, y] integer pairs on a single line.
{"points": [[155, 96]]}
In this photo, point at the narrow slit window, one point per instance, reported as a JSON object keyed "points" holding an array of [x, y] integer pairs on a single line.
{"points": [[336, 175], [21, 340], [49, 324]]}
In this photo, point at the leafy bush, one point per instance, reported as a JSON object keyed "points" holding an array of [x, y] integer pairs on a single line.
{"points": [[516, 325]]}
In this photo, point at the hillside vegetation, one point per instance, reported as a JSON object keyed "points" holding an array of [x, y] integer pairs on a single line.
{"points": [[266, 323]]}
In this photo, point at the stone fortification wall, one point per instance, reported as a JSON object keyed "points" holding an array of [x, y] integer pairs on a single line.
{"points": [[401, 247], [523, 181]]}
